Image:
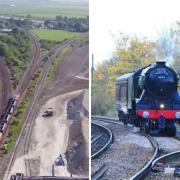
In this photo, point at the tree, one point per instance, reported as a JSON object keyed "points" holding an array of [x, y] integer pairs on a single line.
{"points": [[130, 54], [3, 49]]}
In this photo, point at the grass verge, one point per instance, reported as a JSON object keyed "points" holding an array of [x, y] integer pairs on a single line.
{"points": [[17, 122]]}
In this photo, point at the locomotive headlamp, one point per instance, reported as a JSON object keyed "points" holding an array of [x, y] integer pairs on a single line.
{"points": [[145, 114], [162, 106], [177, 115]]}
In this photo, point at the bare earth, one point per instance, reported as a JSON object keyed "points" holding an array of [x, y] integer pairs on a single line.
{"points": [[51, 135], [50, 138]]}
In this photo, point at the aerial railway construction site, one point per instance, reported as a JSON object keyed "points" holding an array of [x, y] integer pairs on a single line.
{"points": [[47, 140]]}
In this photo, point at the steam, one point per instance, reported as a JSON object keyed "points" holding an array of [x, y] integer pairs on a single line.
{"points": [[167, 42]]}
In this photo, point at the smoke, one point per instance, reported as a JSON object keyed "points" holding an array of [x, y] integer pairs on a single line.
{"points": [[167, 43]]}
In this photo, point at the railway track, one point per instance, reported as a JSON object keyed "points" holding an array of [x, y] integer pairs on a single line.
{"points": [[147, 167], [21, 88], [100, 140], [29, 126], [25, 134], [154, 161], [168, 164], [31, 69], [99, 173]]}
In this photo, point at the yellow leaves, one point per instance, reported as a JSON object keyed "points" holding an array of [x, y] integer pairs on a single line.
{"points": [[131, 54], [120, 67], [101, 72]]}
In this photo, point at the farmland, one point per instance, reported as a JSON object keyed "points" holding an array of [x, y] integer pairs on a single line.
{"points": [[54, 35], [44, 10]]}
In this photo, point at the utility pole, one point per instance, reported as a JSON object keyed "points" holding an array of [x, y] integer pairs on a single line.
{"points": [[92, 68]]}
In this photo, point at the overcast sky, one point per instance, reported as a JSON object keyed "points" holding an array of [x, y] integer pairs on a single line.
{"points": [[140, 17]]}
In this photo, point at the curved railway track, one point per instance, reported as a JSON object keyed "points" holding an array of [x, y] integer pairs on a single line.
{"points": [[166, 166], [25, 134], [152, 162], [100, 140], [147, 167], [31, 69], [99, 173]]}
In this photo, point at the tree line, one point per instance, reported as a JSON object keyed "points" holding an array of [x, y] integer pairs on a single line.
{"points": [[16, 47], [69, 23], [131, 53]]}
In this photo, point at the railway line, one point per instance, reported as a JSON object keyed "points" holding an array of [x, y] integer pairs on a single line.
{"points": [[100, 140], [154, 162], [25, 134], [27, 76], [29, 119], [18, 93], [31, 69], [166, 166]]}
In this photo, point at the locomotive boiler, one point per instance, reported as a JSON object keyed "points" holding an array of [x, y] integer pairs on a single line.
{"points": [[148, 98]]}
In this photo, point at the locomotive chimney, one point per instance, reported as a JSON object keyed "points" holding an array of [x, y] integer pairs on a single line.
{"points": [[161, 62]]}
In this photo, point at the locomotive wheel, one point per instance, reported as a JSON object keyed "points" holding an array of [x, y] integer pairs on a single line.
{"points": [[171, 131], [145, 125]]}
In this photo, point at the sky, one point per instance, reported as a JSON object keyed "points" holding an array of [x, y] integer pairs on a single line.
{"points": [[144, 18]]}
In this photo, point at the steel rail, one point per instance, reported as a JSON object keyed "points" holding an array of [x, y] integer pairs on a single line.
{"points": [[147, 167], [166, 158], [109, 133], [25, 124], [99, 173]]}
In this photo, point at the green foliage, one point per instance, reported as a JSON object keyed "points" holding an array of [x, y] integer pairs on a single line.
{"points": [[3, 49], [70, 24], [16, 125], [47, 44], [131, 54], [17, 49], [54, 35]]}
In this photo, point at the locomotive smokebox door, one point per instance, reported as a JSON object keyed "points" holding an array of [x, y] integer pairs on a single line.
{"points": [[162, 122]]}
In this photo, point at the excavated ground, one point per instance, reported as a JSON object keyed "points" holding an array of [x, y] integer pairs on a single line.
{"points": [[51, 136], [76, 155]]}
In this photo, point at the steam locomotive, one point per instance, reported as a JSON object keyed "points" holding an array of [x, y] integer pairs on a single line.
{"points": [[148, 98], [6, 116]]}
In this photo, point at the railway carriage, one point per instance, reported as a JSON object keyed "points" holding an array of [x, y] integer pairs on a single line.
{"points": [[6, 116], [148, 98]]}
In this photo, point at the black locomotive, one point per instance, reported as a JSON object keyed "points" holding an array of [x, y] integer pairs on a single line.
{"points": [[148, 98]]}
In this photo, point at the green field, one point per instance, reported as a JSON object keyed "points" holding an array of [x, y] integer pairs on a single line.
{"points": [[46, 10], [54, 35]]}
